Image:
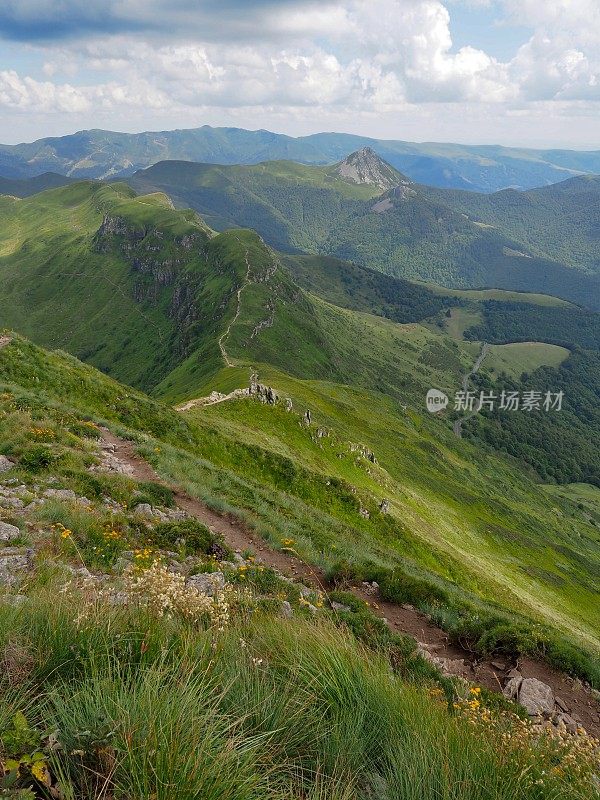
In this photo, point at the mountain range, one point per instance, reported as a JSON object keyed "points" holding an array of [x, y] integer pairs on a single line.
{"points": [[482, 168], [391, 224], [282, 316]]}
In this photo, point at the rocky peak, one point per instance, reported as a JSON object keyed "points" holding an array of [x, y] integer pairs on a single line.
{"points": [[365, 166]]}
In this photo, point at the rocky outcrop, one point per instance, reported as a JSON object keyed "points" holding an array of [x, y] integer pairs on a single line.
{"points": [[5, 464], [366, 167], [8, 532]]}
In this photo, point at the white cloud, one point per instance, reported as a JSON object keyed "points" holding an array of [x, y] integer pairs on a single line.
{"points": [[350, 58]]}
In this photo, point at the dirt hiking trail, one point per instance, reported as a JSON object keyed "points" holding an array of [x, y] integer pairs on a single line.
{"points": [[488, 672]]}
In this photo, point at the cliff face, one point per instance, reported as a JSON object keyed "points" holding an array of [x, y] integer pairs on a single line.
{"points": [[168, 272], [365, 166]]}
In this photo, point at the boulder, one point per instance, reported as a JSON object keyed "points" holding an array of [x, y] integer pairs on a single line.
{"points": [[536, 697], [145, 509], [287, 612], [8, 532], [339, 606], [5, 464], [207, 583]]}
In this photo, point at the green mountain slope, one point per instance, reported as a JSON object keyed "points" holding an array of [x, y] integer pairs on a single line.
{"points": [[102, 154], [466, 535], [126, 283], [559, 222], [136, 680], [408, 231]]}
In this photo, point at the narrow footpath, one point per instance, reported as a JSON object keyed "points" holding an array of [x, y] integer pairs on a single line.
{"points": [[488, 672]]}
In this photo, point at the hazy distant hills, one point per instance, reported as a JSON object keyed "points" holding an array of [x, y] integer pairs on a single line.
{"points": [[484, 168]]}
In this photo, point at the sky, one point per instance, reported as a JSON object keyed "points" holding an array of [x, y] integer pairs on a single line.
{"points": [[512, 72]]}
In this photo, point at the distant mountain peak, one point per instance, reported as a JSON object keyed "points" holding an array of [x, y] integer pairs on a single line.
{"points": [[365, 166]]}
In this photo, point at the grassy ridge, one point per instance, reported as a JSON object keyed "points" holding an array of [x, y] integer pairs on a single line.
{"points": [[485, 533]]}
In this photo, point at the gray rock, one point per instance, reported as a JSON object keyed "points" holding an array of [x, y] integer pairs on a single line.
{"points": [[511, 690], [560, 703], [305, 591], [5, 464], [384, 506], [145, 509], [313, 609], [207, 582], [12, 502], [11, 565], [567, 721], [536, 697], [8, 532], [15, 600], [61, 494], [339, 606], [287, 612]]}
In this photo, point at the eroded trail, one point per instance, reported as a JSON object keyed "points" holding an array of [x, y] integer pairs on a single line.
{"points": [[223, 337], [487, 672]]}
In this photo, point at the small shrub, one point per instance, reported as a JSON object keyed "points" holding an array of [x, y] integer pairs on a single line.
{"points": [[37, 458], [399, 587], [189, 534], [154, 494]]}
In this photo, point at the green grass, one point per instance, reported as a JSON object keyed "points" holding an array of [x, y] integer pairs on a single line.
{"points": [[460, 518], [514, 359], [265, 710]]}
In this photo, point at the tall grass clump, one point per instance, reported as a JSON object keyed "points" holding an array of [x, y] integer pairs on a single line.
{"points": [[128, 704]]}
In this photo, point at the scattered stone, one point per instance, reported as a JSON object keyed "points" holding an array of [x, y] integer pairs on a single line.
{"points": [[305, 591], [568, 722], [499, 665], [536, 697], [364, 513], [370, 588], [207, 582], [450, 667], [339, 606], [287, 612], [514, 673], [307, 418], [145, 509], [8, 532], [288, 404], [111, 463], [312, 609], [384, 506], [561, 704], [6, 464]]}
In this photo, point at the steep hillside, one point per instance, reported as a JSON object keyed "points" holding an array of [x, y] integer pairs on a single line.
{"points": [[126, 283], [150, 656], [102, 154], [407, 231], [559, 222], [151, 296]]}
